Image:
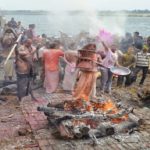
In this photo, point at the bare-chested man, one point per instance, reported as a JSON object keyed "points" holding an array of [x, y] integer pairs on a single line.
{"points": [[24, 68]]}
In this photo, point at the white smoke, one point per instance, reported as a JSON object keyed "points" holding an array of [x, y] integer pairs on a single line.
{"points": [[89, 20], [114, 23]]}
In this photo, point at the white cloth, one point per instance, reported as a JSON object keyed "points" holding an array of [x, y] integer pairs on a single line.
{"points": [[110, 59]]}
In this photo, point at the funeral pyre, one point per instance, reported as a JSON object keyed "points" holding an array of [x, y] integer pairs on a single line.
{"points": [[81, 119]]}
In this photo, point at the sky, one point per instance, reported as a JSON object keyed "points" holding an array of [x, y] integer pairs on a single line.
{"points": [[62, 5]]}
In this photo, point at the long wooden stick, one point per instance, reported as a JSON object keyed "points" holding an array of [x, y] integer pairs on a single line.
{"points": [[13, 48]]}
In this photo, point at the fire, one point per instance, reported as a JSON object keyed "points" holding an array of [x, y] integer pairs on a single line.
{"points": [[119, 120], [107, 107]]}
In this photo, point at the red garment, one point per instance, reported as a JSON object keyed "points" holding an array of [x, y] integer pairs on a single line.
{"points": [[51, 81], [51, 59]]}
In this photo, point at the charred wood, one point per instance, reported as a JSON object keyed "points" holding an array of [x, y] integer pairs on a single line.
{"points": [[81, 130], [106, 128], [120, 113], [124, 127], [135, 119], [57, 104], [77, 132], [59, 113], [65, 132], [46, 110]]}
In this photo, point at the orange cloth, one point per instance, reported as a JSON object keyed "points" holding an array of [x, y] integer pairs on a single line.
{"points": [[51, 59], [84, 89], [85, 86]]}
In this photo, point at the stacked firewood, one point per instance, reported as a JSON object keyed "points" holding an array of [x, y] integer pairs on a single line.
{"points": [[73, 124]]}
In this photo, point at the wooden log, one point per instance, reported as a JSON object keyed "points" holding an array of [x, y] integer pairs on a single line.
{"points": [[46, 110], [54, 101], [69, 129], [77, 132], [84, 129], [106, 128], [59, 120], [135, 119], [120, 113], [57, 104], [59, 113], [95, 132], [64, 131], [124, 127]]}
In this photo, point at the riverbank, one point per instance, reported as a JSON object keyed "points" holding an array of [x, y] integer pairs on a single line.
{"points": [[74, 22], [134, 13]]}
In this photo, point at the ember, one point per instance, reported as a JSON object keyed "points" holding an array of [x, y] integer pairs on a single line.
{"points": [[78, 119], [105, 107], [109, 107]]}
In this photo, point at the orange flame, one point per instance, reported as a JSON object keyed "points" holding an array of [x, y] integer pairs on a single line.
{"points": [[110, 108], [106, 106], [119, 120]]}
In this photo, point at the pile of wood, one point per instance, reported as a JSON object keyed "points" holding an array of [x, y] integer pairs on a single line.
{"points": [[73, 124]]}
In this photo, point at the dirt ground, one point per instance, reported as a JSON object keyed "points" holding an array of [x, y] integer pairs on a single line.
{"points": [[22, 127]]}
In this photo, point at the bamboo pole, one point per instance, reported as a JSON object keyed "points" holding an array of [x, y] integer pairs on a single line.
{"points": [[13, 48]]}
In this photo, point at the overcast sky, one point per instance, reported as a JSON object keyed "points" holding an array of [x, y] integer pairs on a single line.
{"points": [[61, 5]]}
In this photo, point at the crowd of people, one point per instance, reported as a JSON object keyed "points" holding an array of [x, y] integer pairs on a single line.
{"points": [[38, 56]]}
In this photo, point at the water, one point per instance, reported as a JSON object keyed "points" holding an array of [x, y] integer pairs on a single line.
{"points": [[73, 24]]}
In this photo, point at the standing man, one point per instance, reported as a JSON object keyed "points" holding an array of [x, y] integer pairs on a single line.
{"points": [[86, 85], [12, 23], [71, 71], [148, 44], [138, 41], [110, 60], [128, 60], [51, 68], [30, 33], [24, 69], [142, 64], [19, 28]]}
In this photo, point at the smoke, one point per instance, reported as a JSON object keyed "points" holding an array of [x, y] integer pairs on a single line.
{"points": [[89, 20], [114, 23]]}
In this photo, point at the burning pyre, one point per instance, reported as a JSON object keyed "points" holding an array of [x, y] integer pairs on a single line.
{"points": [[93, 119]]}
